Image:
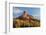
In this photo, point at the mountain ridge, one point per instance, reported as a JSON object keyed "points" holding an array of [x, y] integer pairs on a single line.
{"points": [[25, 20]]}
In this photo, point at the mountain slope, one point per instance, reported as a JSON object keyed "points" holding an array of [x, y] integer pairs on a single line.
{"points": [[25, 20]]}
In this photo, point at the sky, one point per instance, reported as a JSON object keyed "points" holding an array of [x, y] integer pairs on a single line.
{"points": [[18, 11]]}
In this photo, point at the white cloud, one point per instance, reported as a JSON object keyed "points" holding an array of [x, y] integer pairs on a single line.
{"points": [[37, 16], [16, 11]]}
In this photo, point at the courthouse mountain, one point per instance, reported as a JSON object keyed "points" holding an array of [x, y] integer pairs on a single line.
{"points": [[25, 20]]}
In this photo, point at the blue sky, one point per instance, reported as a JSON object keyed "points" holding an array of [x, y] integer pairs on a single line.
{"points": [[17, 11]]}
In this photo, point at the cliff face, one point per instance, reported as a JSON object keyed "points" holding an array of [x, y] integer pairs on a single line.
{"points": [[25, 20]]}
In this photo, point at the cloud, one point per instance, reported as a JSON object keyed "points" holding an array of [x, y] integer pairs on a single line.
{"points": [[36, 16], [17, 10]]}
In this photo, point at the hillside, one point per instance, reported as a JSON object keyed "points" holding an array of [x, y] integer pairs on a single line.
{"points": [[25, 20]]}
